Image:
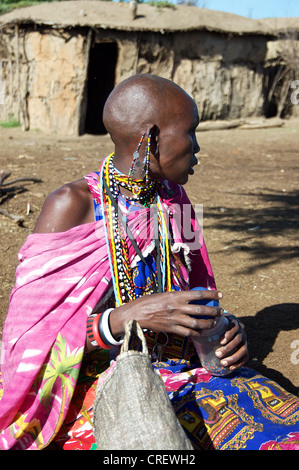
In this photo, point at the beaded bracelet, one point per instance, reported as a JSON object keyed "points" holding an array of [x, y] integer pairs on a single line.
{"points": [[89, 330], [98, 330], [93, 331], [104, 329]]}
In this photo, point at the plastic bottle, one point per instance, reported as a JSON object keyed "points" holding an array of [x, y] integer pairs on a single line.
{"points": [[209, 341]]}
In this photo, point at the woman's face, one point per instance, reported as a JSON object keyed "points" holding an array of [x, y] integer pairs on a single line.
{"points": [[176, 144]]}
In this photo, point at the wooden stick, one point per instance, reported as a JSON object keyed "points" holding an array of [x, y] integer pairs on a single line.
{"points": [[34, 180], [16, 218], [3, 175]]}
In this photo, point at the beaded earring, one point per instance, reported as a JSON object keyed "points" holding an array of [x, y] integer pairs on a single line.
{"points": [[146, 160], [135, 158]]}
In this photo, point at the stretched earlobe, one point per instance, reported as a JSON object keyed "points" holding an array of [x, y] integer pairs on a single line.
{"points": [[155, 132]]}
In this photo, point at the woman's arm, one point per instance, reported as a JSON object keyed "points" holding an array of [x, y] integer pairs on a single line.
{"points": [[169, 312]]}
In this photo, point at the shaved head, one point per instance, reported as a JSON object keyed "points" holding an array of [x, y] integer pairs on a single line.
{"points": [[138, 103], [161, 116]]}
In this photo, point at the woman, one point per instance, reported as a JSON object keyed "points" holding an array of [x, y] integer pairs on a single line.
{"points": [[112, 247]]}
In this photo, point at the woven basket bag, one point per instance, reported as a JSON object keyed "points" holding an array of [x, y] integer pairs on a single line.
{"points": [[132, 410]]}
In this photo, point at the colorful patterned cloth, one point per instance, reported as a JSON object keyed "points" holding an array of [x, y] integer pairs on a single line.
{"points": [[48, 384], [243, 411]]}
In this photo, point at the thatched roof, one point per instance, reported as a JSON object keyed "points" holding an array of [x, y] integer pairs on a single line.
{"points": [[111, 15], [282, 25]]}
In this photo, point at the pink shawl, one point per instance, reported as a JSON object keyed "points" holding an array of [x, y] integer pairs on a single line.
{"points": [[60, 279]]}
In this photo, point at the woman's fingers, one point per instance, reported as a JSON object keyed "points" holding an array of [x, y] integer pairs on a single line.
{"points": [[236, 360], [234, 350]]}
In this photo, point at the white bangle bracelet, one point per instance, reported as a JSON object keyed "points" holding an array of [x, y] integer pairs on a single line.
{"points": [[106, 328]]}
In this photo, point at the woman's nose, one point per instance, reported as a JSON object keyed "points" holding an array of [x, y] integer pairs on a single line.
{"points": [[196, 146]]}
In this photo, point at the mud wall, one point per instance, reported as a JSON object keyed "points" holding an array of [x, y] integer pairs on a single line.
{"points": [[43, 75], [43, 72], [224, 74]]}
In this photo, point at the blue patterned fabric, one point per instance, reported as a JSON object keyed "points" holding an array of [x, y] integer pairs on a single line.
{"points": [[242, 411]]}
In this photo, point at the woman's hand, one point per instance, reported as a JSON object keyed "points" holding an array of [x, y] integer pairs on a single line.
{"points": [[234, 345], [172, 312], [169, 312]]}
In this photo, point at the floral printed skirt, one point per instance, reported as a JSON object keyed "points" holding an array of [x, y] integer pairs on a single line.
{"points": [[242, 411]]}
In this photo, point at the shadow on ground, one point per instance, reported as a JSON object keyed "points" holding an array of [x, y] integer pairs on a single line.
{"points": [[262, 331], [272, 214]]}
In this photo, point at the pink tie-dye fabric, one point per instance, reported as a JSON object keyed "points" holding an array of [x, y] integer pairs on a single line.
{"points": [[60, 279]]}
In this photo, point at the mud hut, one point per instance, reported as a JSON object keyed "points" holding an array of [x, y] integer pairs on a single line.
{"points": [[60, 60]]}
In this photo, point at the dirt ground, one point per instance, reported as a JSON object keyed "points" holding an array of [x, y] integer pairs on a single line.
{"points": [[248, 184]]}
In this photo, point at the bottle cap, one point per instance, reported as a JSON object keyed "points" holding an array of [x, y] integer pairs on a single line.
{"points": [[222, 324], [207, 302]]}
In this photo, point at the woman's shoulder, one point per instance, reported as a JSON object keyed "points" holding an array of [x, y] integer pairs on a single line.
{"points": [[66, 207]]}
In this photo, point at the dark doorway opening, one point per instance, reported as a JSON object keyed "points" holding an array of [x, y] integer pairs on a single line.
{"points": [[100, 82]]}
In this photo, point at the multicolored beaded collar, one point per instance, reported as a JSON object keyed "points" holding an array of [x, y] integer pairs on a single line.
{"points": [[117, 231]]}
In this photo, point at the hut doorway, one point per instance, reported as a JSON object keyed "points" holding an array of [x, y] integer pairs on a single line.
{"points": [[100, 82]]}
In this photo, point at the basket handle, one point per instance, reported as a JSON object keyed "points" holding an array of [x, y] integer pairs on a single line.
{"points": [[133, 326]]}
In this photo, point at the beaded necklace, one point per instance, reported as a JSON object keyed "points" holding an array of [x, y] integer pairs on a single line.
{"points": [[142, 193], [116, 230]]}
